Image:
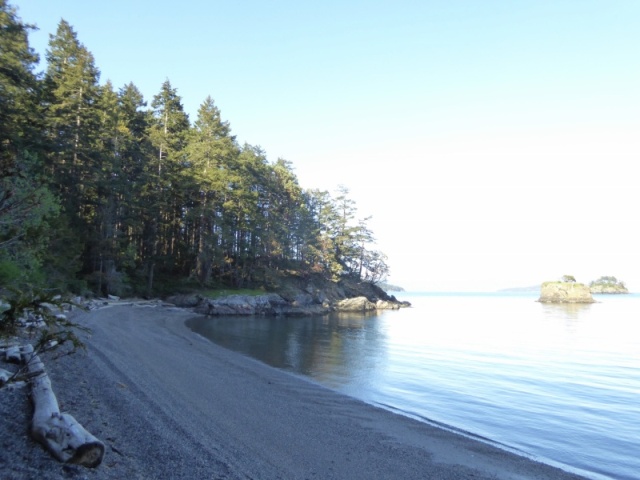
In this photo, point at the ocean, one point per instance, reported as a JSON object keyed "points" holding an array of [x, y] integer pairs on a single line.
{"points": [[559, 383]]}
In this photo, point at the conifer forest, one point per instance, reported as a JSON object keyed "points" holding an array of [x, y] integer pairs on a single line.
{"points": [[105, 192]]}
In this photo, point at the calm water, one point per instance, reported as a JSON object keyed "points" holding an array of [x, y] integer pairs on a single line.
{"points": [[561, 383]]}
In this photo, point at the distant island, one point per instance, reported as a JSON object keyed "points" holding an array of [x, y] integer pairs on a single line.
{"points": [[608, 285], [567, 290], [387, 287]]}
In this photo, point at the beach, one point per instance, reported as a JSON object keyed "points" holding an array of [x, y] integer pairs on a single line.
{"points": [[169, 404]]}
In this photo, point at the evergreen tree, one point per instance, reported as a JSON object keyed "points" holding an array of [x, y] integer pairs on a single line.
{"points": [[72, 118], [136, 156], [163, 191], [111, 188], [212, 153], [141, 192], [25, 203], [18, 89]]}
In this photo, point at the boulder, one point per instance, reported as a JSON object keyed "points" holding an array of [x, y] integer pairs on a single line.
{"points": [[185, 300], [565, 292], [357, 304]]}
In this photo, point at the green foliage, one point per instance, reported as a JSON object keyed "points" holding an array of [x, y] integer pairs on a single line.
{"points": [[10, 272], [607, 281], [568, 278], [46, 307], [250, 292], [18, 88], [26, 204]]}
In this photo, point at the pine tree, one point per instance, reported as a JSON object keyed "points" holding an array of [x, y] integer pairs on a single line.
{"points": [[211, 152], [26, 204], [136, 158], [18, 89], [72, 128], [163, 191]]}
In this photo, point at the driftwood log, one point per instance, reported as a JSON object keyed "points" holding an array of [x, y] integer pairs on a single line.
{"points": [[59, 432]]}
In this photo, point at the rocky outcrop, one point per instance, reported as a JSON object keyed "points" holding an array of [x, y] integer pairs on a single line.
{"points": [[269, 304], [273, 304], [312, 298], [357, 304], [565, 292]]}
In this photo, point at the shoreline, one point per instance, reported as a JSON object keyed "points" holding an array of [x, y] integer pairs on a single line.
{"points": [[169, 403]]}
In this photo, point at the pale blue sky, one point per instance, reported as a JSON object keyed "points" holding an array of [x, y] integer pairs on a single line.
{"points": [[494, 142]]}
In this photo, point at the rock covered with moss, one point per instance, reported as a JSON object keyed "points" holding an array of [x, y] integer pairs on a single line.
{"points": [[565, 292]]}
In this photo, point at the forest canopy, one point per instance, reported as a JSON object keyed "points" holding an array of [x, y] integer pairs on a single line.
{"points": [[103, 191]]}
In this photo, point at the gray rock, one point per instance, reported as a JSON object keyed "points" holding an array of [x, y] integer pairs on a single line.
{"points": [[357, 304], [565, 292]]}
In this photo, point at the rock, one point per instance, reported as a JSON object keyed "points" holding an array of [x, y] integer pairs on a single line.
{"points": [[301, 296], [302, 300], [565, 292], [270, 304], [391, 304], [188, 300], [357, 304]]}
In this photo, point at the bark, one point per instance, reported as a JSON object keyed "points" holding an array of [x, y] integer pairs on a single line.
{"points": [[59, 432]]}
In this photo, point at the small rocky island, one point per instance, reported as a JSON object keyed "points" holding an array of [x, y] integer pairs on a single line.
{"points": [[565, 291], [608, 285]]}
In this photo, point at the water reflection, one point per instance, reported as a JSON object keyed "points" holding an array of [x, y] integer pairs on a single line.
{"points": [[566, 310], [336, 348], [558, 381]]}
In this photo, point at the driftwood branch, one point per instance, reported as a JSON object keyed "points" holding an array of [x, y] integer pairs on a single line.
{"points": [[59, 432]]}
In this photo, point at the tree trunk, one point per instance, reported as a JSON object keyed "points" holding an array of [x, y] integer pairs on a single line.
{"points": [[151, 267], [59, 432]]}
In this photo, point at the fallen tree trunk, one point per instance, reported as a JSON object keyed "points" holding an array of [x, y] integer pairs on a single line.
{"points": [[59, 432]]}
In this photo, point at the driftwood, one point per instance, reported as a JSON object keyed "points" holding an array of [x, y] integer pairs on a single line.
{"points": [[59, 432]]}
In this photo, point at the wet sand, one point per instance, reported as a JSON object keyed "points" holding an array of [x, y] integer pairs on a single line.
{"points": [[169, 404]]}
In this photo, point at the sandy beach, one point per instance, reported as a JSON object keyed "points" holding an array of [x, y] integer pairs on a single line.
{"points": [[169, 404]]}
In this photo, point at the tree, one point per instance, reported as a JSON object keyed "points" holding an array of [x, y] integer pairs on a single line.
{"points": [[18, 89], [163, 192], [26, 205], [568, 278], [73, 160], [211, 152], [95, 188], [608, 280], [72, 121]]}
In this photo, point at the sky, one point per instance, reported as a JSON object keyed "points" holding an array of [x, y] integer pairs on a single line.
{"points": [[495, 143]]}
